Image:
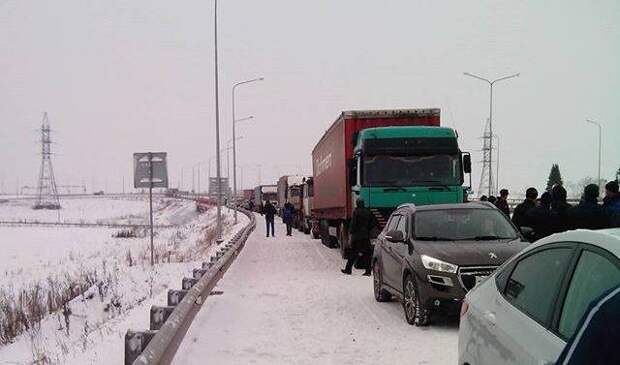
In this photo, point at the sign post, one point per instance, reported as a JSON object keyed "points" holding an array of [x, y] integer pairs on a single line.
{"points": [[150, 171]]}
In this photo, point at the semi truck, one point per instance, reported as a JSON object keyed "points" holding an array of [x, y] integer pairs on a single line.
{"points": [[387, 158], [262, 193]]}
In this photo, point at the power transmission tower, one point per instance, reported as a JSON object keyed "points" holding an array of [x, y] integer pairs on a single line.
{"points": [[487, 169], [47, 197]]}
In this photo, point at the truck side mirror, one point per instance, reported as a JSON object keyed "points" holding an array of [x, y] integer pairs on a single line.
{"points": [[467, 163]]}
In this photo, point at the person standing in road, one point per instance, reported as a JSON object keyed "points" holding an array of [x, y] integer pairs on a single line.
{"points": [[287, 217], [362, 223], [270, 212], [559, 207], [518, 216], [588, 214], [502, 202], [541, 219], [611, 204]]}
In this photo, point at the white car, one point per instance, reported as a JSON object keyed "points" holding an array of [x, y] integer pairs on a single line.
{"points": [[527, 310]]}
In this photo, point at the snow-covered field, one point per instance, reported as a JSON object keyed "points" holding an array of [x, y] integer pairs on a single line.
{"points": [[87, 210], [285, 301], [113, 275]]}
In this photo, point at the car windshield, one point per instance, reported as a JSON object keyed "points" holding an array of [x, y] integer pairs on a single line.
{"points": [[462, 225], [384, 170]]}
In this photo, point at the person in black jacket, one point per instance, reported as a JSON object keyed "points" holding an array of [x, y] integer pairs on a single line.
{"points": [[270, 212], [518, 216], [502, 202], [541, 218], [560, 208], [588, 214], [611, 204], [362, 223], [596, 340]]}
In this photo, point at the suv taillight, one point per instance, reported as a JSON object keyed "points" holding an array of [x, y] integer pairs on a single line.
{"points": [[464, 308]]}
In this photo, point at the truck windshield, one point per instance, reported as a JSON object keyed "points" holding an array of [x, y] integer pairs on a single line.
{"points": [[462, 225], [384, 170]]}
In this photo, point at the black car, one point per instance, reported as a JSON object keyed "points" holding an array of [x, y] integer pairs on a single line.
{"points": [[430, 256]]}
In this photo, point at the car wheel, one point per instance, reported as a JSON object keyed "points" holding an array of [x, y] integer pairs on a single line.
{"points": [[381, 295], [415, 313]]}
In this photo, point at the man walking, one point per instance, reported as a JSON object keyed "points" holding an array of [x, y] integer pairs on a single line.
{"points": [[502, 202], [362, 223], [269, 211]]}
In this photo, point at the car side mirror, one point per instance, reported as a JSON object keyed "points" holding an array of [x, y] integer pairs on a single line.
{"points": [[528, 233], [467, 163], [395, 236]]}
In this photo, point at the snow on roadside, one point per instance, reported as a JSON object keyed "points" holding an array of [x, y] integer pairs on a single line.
{"points": [[86, 210], [122, 295]]}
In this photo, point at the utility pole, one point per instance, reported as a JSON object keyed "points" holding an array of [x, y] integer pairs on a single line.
{"points": [[234, 122], [217, 132], [491, 83]]}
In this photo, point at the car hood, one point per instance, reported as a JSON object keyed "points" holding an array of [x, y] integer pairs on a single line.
{"points": [[471, 253]]}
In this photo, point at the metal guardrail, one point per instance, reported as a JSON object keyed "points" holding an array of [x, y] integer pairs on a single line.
{"points": [[168, 324]]}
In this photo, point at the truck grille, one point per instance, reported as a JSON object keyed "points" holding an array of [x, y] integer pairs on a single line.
{"points": [[469, 276]]}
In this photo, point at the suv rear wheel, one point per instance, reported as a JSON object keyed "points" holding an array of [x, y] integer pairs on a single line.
{"points": [[381, 295], [415, 313]]}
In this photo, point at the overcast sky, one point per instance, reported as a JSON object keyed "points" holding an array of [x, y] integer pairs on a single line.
{"points": [[118, 77]]}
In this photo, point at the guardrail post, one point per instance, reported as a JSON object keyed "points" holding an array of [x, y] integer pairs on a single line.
{"points": [[175, 297], [159, 315], [135, 342]]}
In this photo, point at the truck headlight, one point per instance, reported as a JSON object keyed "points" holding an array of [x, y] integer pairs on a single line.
{"points": [[432, 263]]}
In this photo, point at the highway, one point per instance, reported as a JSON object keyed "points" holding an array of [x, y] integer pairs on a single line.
{"points": [[284, 301]]}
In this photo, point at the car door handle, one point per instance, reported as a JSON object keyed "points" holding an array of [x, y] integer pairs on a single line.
{"points": [[490, 318]]}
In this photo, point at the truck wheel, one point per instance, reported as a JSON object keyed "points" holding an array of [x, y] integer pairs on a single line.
{"points": [[381, 295], [415, 312]]}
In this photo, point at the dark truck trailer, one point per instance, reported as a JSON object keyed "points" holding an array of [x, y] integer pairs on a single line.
{"points": [[362, 146]]}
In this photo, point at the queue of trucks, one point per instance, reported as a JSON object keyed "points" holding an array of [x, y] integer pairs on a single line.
{"points": [[385, 157]]}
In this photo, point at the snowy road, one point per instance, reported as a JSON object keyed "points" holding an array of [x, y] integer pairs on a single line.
{"points": [[285, 301]]}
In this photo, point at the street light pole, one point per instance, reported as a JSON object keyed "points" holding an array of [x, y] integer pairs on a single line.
{"points": [[217, 132], [234, 122], [600, 132], [491, 83]]}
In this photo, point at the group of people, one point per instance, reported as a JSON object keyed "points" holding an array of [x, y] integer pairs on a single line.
{"points": [[551, 213], [270, 211]]}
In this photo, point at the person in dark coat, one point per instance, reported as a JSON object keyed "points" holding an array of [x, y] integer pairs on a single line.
{"points": [[559, 207], [287, 217], [270, 212], [541, 219], [597, 337], [484, 198], [492, 199], [518, 216], [502, 202], [362, 223], [588, 214], [611, 204]]}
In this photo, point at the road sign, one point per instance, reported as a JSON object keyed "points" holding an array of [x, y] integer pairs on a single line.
{"points": [[150, 170]]}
